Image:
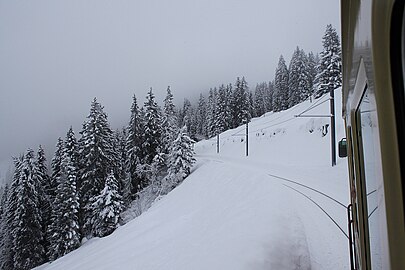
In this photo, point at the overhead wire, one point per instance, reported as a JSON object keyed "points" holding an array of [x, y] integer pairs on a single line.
{"points": [[317, 103]]}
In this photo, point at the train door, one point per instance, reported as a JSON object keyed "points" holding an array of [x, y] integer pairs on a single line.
{"points": [[371, 232]]}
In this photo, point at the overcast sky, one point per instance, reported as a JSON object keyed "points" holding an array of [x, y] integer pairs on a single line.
{"points": [[55, 56]]}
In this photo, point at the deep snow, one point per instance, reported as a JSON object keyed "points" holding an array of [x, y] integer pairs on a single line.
{"points": [[238, 212]]}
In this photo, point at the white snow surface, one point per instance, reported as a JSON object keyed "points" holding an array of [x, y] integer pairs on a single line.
{"points": [[235, 212]]}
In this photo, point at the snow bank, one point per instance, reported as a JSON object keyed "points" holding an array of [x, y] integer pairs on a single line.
{"points": [[237, 212]]}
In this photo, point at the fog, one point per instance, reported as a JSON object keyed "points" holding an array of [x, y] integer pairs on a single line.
{"points": [[56, 56]]}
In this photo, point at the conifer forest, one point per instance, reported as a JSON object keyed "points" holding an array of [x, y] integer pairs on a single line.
{"points": [[96, 174]]}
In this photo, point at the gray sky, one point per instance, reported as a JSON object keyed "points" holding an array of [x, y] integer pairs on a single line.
{"points": [[55, 56]]}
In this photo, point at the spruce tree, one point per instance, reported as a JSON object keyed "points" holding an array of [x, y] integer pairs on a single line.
{"points": [[293, 78], [181, 159], [7, 252], [240, 104], [220, 117], [201, 116], [45, 201], [55, 168], [259, 105], [120, 137], [153, 129], [211, 112], [191, 121], [71, 147], [107, 208], [330, 75], [280, 94], [186, 115], [27, 233], [228, 95], [65, 219], [298, 78], [52, 191], [133, 147], [3, 224], [312, 72], [96, 157], [269, 97], [169, 122], [304, 85]]}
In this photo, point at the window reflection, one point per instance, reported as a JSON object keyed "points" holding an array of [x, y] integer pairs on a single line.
{"points": [[368, 136]]}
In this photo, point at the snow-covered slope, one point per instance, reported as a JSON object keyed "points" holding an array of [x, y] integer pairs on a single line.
{"points": [[238, 212]]}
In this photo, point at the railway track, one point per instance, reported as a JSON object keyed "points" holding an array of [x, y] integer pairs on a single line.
{"points": [[312, 200]]}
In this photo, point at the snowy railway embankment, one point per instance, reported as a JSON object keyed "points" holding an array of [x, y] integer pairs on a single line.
{"points": [[282, 207]]}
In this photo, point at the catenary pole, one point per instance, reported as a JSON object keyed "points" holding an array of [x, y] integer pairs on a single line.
{"points": [[247, 137], [332, 124]]}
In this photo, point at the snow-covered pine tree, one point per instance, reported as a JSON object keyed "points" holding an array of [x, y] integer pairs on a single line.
{"points": [[293, 78], [157, 172], [262, 99], [55, 168], [298, 78], [234, 104], [280, 94], [187, 116], [240, 105], [228, 95], [202, 117], [192, 120], [259, 106], [107, 207], [7, 252], [269, 96], [71, 147], [330, 65], [45, 203], [27, 233], [211, 112], [220, 122], [96, 155], [120, 137], [134, 153], [52, 191], [169, 122], [312, 71], [3, 223], [251, 105], [65, 220], [181, 159], [304, 88], [3, 202], [153, 129]]}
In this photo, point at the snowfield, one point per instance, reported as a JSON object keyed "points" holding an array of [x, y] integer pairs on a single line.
{"points": [[238, 212]]}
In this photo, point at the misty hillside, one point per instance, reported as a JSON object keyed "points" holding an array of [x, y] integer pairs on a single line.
{"points": [[238, 212]]}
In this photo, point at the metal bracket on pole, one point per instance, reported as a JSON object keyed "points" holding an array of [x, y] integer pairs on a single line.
{"points": [[332, 123]]}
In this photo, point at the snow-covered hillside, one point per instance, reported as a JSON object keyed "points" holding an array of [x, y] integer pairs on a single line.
{"points": [[238, 212]]}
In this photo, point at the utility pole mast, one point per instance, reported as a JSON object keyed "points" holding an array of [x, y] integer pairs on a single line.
{"points": [[247, 137], [332, 124]]}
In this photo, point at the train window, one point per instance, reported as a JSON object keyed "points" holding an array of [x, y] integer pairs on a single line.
{"points": [[367, 127]]}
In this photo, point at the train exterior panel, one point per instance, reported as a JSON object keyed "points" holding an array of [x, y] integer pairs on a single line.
{"points": [[373, 109]]}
